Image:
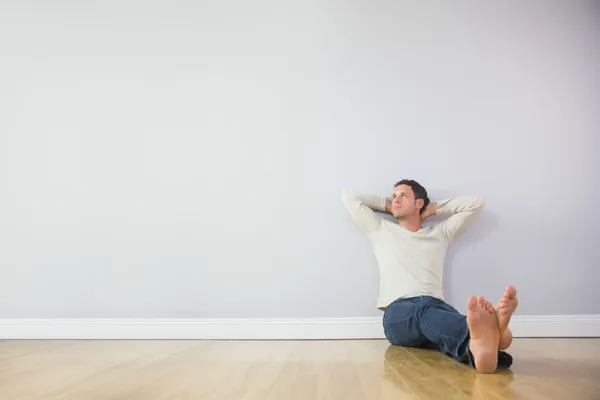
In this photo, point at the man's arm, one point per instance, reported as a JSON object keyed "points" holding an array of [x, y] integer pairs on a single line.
{"points": [[461, 212], [362, 208]]}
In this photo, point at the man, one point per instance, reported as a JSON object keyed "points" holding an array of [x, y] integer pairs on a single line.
{"points": [[411, 261]]}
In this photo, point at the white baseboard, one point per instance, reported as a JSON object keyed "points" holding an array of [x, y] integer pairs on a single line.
{"points": [[312, 328], [282, 329], [585, 325]]}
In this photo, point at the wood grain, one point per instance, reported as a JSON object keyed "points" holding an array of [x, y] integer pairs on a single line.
{"points": [[352, 369]]}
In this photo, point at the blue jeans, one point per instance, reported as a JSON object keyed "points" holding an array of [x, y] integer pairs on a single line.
{"points": [[430, 323]]}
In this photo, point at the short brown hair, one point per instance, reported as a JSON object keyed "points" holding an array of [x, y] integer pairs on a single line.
{"points": [[418, 189]]}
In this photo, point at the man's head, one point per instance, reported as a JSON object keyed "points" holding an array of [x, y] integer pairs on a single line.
{"points": [[409, 199]]}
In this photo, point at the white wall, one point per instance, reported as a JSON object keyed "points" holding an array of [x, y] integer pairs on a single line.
{"points": [[162, 160]]}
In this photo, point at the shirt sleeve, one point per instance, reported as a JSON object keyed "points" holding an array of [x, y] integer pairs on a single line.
{"points": [[362, 208], [461, 212]]}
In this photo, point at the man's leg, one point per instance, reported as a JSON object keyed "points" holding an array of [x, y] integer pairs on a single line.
{"points": [[506, 338], [472, 339], [504, 309], [401, 324]]}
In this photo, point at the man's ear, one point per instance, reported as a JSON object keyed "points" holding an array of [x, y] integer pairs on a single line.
{"points": [[420, 203]]}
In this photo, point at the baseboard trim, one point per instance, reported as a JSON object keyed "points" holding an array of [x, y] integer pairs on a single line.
{"points": [[586, 325], [242, 329], [265, 329]]}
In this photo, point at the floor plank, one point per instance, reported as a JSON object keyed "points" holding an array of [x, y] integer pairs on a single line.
{"points": [[248, 370]]}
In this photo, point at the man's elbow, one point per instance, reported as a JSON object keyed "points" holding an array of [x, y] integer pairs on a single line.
{"points": [[348, 196], [478, 204]]}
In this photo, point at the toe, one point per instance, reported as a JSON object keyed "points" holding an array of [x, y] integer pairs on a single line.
{"points": [[472, 303], [511, 292], [481, 301]]}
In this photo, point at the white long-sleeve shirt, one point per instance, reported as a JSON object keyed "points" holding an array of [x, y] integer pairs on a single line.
{"points": [[410, 263]]}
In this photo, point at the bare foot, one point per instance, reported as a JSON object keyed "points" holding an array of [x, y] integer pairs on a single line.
{"points": [[483, 327], [506, 307]]}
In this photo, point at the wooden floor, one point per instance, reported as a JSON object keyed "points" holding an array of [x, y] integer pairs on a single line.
{"points": [[367, 369]]}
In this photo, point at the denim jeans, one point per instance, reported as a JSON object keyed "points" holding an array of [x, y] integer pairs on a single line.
{"points": [[430, 323]]}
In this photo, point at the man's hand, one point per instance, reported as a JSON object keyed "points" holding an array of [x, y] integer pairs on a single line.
{"points": [[388, 206], [430, 210]]}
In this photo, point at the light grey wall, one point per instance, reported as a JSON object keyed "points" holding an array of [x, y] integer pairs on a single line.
{"points": [[162, 160]]}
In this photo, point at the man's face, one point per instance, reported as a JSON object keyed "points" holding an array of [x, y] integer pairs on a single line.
{"points": [[404, 203]]}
